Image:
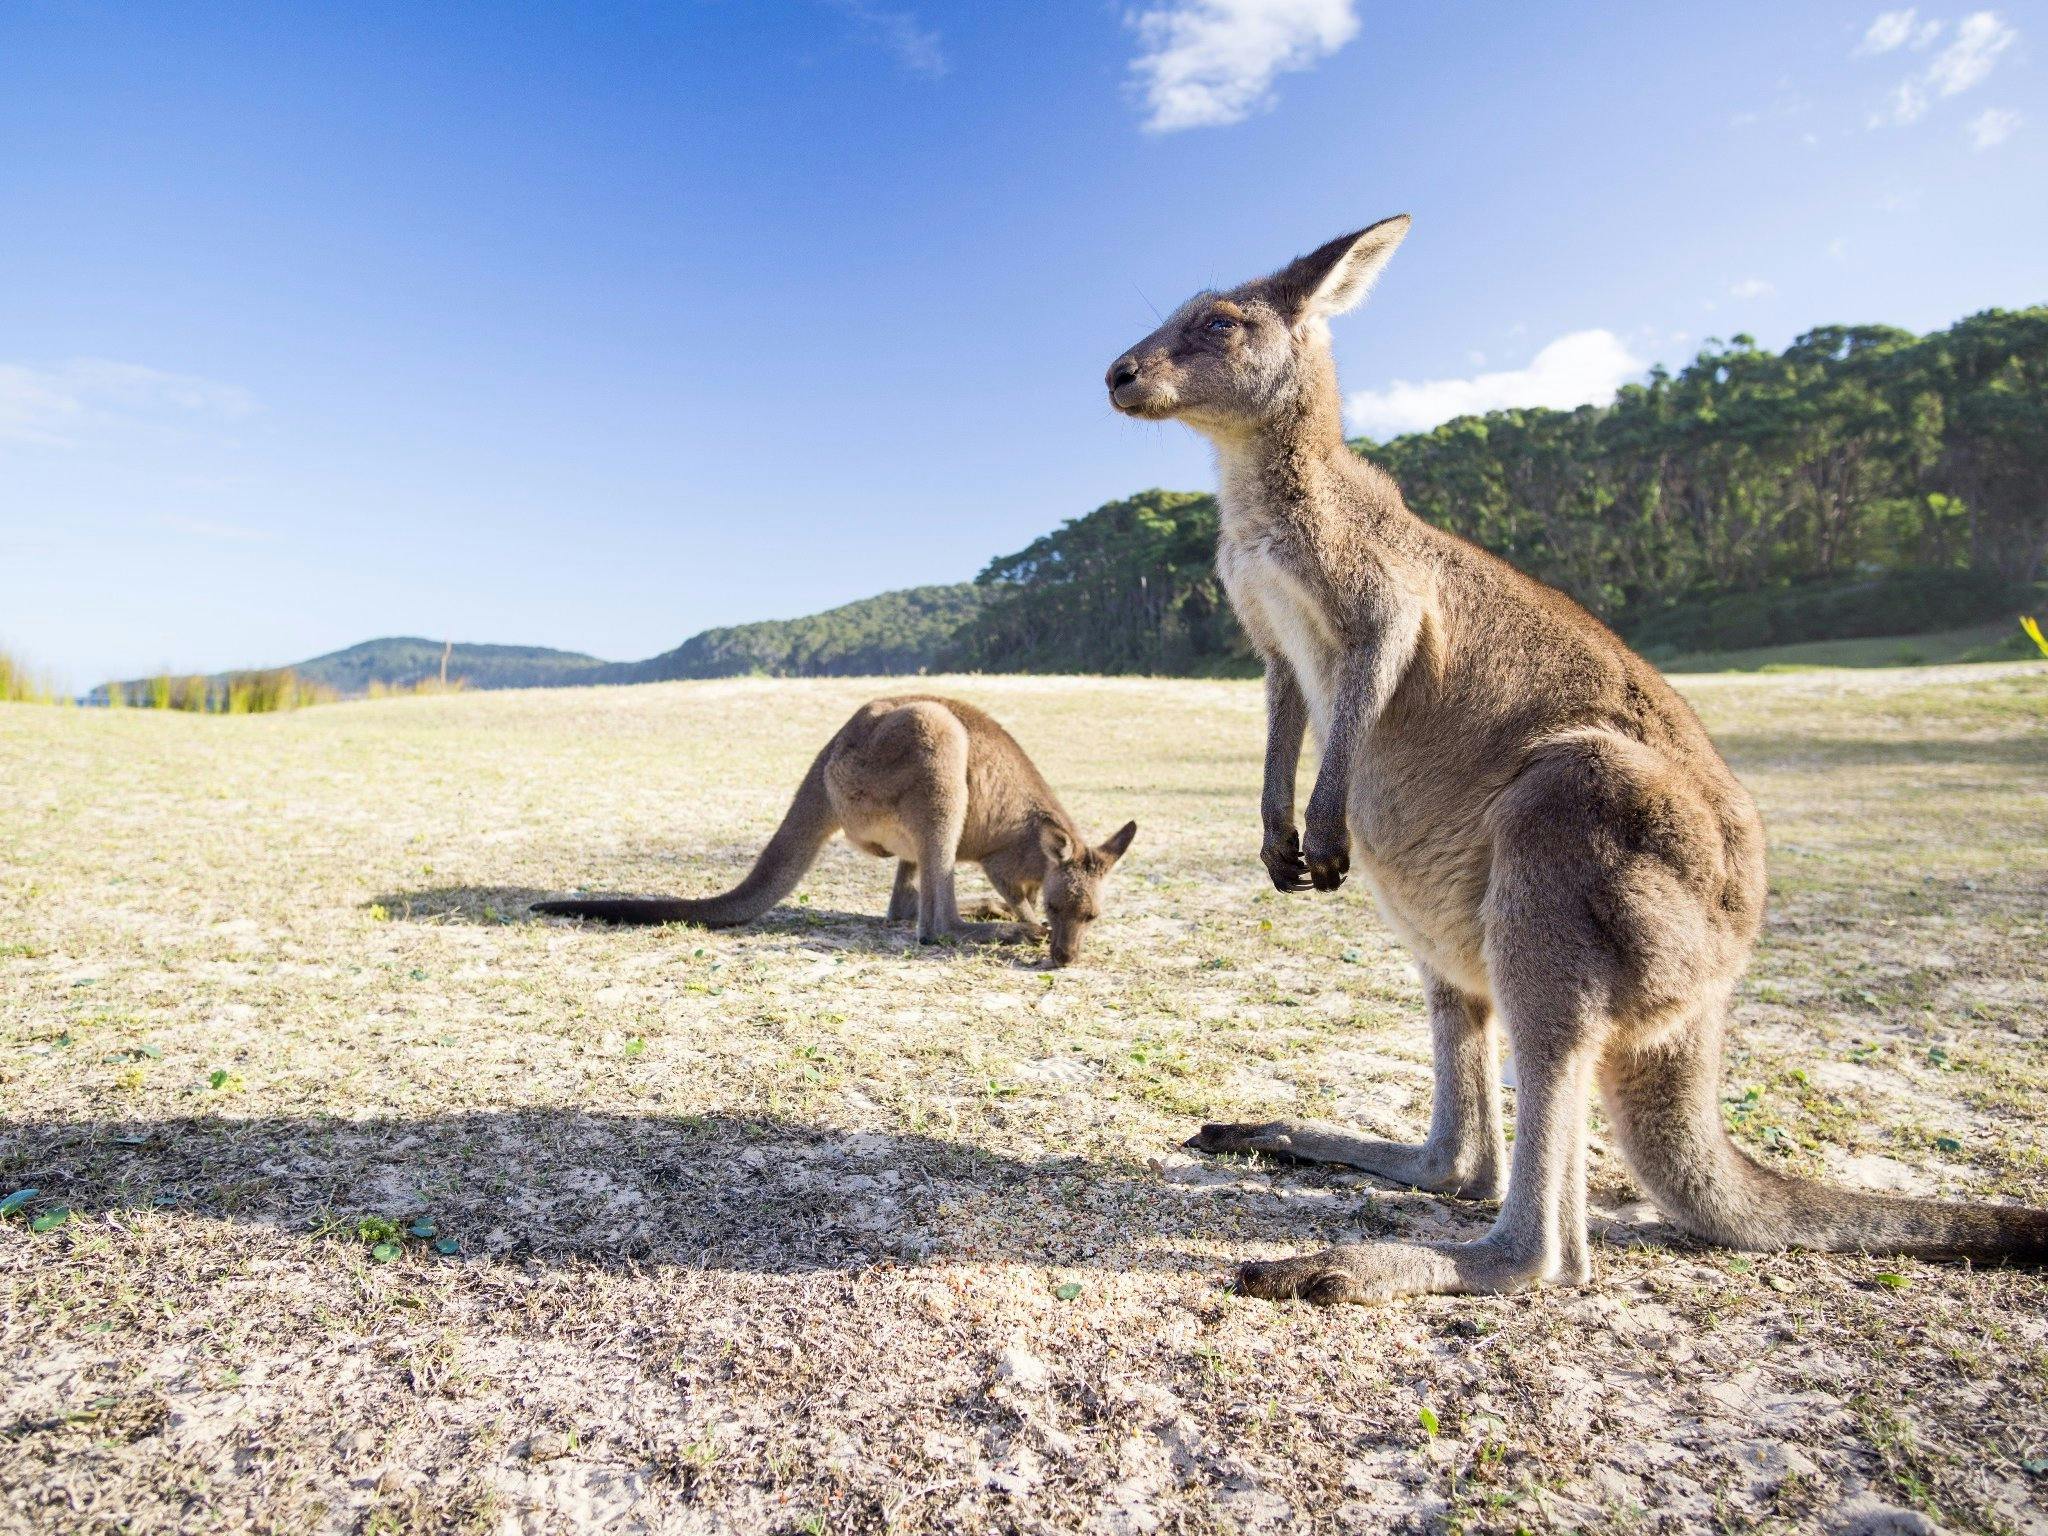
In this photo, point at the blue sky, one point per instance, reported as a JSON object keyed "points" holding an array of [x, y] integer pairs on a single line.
{"points": [[594, 325]]}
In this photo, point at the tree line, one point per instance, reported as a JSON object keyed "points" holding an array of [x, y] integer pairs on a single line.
{"points": [[1862, 481]]}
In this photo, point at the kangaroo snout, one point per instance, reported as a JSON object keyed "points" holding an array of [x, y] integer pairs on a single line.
{"points": [[1135, 394]]}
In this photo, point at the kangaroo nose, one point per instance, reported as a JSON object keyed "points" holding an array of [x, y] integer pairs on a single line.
{"points": [[1123, 371]]}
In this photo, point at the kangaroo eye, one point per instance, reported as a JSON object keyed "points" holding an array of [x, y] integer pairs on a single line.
{"points": [[1219, 324]]}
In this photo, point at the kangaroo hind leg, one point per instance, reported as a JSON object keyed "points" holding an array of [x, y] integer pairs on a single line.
{"points": [[1527, 1244], [1464, 1153], [903, 896]]}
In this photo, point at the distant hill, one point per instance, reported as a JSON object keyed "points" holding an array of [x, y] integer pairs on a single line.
{"points": [[406, 659], [890, 635]]}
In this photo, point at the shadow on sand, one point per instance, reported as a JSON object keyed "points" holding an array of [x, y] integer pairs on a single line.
{"points": [[493, 906], [763, 1196]]}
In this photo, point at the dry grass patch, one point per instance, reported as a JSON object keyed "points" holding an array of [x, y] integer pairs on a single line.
{"points": [[390, 1209]]}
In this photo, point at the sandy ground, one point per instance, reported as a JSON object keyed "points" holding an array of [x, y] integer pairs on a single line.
{"points": [[802, 1229]]}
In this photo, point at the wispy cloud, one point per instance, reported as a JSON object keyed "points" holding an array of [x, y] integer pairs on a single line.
{"points": [[1752, 288], [1208, 63], [54, 406], [1894, 30], [1980, 39], [915, 46], [1993, 126], [1582, 368], [1963, 65]]}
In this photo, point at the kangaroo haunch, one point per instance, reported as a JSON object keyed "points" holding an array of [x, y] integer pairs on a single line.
{"points": [[1540, 818], [928, 782]]}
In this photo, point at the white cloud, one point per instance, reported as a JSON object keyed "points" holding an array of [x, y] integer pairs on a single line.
{"points": [[915, 45], [1583, 368], [1908, 105], [1993, 127], [1208, 63], [52, 406], [1898, 29], [1752, 288], [1980, 39]]}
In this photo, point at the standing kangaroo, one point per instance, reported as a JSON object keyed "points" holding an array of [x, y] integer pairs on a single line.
{"points": [[1540, 818], [929, 782]]}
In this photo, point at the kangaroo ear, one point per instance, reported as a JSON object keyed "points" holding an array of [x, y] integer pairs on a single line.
{"points": [[1058, 845], [1337, 276], [1114, 848]]}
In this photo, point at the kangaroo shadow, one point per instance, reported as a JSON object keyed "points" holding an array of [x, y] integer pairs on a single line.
{"points": [[717, 1192], [492, 906]]}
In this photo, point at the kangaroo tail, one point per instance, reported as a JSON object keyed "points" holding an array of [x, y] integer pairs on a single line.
{"points": [[1665, 1101], [806, 828]]}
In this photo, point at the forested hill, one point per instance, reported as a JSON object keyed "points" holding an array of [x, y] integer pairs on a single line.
{"points": [[1864, 481], [889, 635], [404, 660]]}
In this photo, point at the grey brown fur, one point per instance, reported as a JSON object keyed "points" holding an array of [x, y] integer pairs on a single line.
{"points": [[932, 783], [1539, 817]]}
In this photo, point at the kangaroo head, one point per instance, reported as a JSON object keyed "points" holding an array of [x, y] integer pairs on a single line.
{"points": [[1228, 363], [1074, 874]]}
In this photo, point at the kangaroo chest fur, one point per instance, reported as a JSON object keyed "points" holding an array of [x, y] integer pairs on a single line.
{"points": [[1281, 613], [1425, 888]]}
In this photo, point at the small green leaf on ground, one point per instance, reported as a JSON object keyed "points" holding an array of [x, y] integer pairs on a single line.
{"points": [[384, 1253], [17, 1200], [1777, 1282], [379, 913], [635, 1046], [447, 1247], [221, 1080], [424, 1227], [1947, 1144], [50, 1220], [1428, 1417], [1741, 1265], [1891, 1280], [1068, 1291]]}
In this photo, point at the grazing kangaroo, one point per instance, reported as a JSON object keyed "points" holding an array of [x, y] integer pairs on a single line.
{"points": [[1540, 818], [929, 782]]}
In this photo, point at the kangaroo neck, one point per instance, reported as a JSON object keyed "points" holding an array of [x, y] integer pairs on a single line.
{"points": [[1291, 468]]}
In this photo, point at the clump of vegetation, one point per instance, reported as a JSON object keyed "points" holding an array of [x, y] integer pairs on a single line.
{"points": [[419, 687], [20, 685], [263, 692]]}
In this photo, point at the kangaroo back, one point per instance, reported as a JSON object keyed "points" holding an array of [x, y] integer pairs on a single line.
{"points": [[806, 828]]}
